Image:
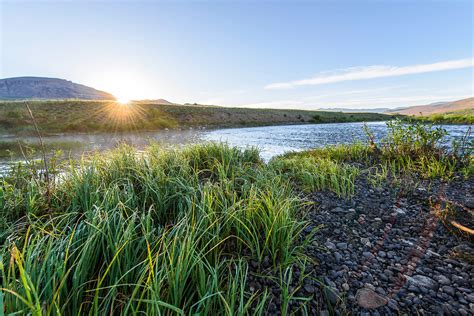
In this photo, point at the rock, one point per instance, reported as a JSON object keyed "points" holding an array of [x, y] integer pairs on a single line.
{"points": [[422, 281], [330, 246], [266, 262], [469, 203], [338, 210], [399, 211], [272, 307], [368, 299], [366, 242], [254, 264], [345, 287], [337, 256], [332, 295], [392, 304], [448, 290], [463, 312], [382, 254], [470, 297], [342, 245], [368, 255], [309, 288]]}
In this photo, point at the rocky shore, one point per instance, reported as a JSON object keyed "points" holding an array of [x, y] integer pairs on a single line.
{"points": [[386, 251]]}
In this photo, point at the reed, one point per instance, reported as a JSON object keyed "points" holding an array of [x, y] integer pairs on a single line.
{"points": [[162, 232]]}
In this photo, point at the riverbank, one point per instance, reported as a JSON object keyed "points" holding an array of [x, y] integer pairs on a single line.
{"points": [[212, 229], [102, 116], [461, 117]]}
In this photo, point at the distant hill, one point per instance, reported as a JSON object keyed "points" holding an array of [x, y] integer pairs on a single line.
{"points": [[465, 105], [20, 88], [347, 110], [154, 101]]}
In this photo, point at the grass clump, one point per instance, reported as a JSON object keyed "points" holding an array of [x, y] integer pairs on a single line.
{"points": [[162, 232], [415, 150], [313, 173]]}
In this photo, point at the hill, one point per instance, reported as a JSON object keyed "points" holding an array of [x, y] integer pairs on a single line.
{"points": [[464, 105], [153, 101], [106, 116], [348, 110], [21, 88]]}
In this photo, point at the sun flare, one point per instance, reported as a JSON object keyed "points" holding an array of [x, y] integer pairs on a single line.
{"points": [[123, 101]]}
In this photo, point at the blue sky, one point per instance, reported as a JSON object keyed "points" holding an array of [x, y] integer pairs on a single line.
{"points": [[280, 54]]}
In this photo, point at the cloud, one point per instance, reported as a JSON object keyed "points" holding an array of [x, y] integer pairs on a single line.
{"points": [[361, 102], [371, 72]]}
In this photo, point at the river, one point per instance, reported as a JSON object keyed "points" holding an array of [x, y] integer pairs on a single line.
{"points": [[271, 140]]}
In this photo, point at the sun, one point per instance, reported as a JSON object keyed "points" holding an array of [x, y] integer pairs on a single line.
{"points": [[123, 101]]}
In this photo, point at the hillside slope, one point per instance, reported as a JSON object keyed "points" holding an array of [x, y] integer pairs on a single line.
{"points": [[48, 88], [106, 116], [464, 105]]}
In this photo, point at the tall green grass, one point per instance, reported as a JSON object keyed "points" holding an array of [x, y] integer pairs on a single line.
{"points": [[162, 232], [316, 173]]}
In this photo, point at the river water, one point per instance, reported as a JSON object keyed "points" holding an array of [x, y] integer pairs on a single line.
{"points": [[271, 140]]}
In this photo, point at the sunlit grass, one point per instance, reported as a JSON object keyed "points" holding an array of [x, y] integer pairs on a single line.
{"points": [[160, 232]]}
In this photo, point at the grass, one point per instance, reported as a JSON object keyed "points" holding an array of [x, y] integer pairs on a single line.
{"points": [[447, 118], [457, 117], [18, 148], [104, 116], [315, 174], [173, 231], [156, 233], [415, 148]]}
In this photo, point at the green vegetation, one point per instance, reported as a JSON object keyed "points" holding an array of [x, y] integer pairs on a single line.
{"points": [[18, 148], [104, 116], [447, 118], [409, 149], [465, 116], [175, 231], [316, 173], [170, 231]]}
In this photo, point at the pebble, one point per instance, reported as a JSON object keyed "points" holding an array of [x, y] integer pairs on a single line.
{"points": [[342, 245], [330, 246], [470, 297], [368, 255], [367, 298], [448, 290], [415, 266], [309, 288], [422, 281]]}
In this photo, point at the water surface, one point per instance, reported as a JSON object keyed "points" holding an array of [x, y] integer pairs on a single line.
{"points": [[271, 140]]}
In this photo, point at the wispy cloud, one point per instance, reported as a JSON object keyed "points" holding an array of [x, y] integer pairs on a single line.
{"points": [[366, 101], [371, 72]]}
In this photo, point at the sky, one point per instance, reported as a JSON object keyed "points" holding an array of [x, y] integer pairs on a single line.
{"points": [[276, 54]]}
